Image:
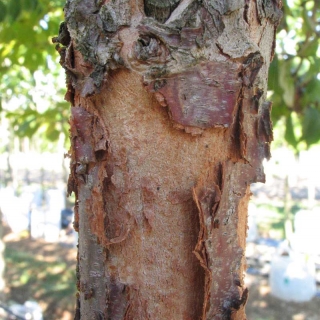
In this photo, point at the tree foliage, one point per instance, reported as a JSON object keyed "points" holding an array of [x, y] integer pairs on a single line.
{"points": [[294, 78], [29, 62], [31, 88]]}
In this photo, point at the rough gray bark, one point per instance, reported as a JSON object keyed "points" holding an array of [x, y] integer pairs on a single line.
{"points": [[169, 127]]}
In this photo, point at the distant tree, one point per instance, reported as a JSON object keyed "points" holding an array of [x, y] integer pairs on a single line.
{"points": [[169, 128]]}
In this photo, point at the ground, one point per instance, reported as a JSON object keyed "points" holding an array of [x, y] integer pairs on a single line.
{"points": [[43, 272], [263, 306], [36, 270]]}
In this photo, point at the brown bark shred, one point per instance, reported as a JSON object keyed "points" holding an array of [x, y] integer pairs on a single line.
{"points": [[161, 212]]}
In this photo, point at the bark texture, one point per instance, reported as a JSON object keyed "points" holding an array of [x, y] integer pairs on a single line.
{"points": [[169, 127]]}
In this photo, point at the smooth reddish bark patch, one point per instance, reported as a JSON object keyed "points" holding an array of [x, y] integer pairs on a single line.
{"points": [[203, 96]]}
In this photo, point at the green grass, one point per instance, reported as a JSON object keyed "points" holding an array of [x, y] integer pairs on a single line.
{"points": [[46, 279], [272, 217]]}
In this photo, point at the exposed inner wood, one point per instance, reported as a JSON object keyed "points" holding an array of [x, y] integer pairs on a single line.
{"points": [[152, 169]]}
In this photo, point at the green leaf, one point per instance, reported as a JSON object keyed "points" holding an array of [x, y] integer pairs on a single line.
{"points": [[286, 82], [309, 48], [14, 9], [3, 11], [52, 132], [311, 126], [311, 93], [30, 5], [273, 79], [307, 25], [53, 135], [28, 127], [279, 109], [289, 132]]}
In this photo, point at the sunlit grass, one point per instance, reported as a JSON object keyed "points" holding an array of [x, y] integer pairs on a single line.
{"points": [[32, 276]]}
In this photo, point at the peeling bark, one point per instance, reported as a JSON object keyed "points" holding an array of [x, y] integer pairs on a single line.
{"points": [[169, 128]]}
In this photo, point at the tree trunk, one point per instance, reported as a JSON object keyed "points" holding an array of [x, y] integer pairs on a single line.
{"points": [[169, 127]]}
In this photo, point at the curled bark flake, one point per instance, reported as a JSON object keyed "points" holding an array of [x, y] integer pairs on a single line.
{"points": [[100, 137], [76, 217], [256, 99], [69, 96], [89, 140], [112, 219], [161, 99], [64, 35], [78, 78], [117, 299], [234, 304], [260, 133], [251, 67], [265, 124], [77, 315], [238, 149], [200, 252], [89, 136], [71, 185], [111, 226], [90, 145], [233, 179], [81, 169], [265, 134], [66, 59], [219, 241], [81, 124], [209, 199], [207, 196]]}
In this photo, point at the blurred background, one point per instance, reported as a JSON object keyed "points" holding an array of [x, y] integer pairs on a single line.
{"points": [[37, 248]]}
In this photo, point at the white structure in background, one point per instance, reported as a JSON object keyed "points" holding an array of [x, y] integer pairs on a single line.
{"points": [[302, 171], [15, 209], [46, 220], [55, 202], [306, 237], [28, 310], [28, 212], [252, 233], [309, 167], [292, 276]]}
